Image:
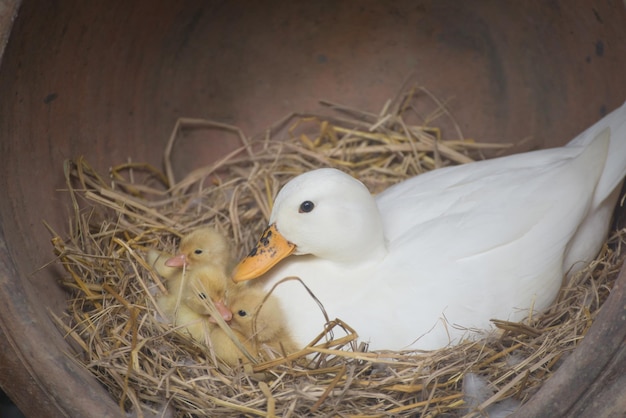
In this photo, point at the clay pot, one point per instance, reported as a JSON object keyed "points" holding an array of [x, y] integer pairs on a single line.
{"points": [[107, 79]]}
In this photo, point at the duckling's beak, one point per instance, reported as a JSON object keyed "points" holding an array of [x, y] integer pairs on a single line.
{"points": [[176, 261], [223, 310], [269, 250]]}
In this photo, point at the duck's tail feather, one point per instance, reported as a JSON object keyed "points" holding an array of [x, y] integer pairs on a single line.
{"points": [[615, 165], [586, 242]]}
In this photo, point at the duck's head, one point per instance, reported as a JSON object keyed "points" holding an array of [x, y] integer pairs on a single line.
{"points": [[201, 247], [325, 213]]}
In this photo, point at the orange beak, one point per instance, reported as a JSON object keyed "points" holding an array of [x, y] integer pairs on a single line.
{"points": [[269, 250], [176, 261]]}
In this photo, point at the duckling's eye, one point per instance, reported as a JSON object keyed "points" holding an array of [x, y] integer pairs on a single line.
{"points": [[306, 206], [242, 313], [198, 251], [202, 296]]}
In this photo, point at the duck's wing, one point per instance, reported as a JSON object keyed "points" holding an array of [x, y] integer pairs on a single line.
{"points": [[507, 196], [511, 217]]}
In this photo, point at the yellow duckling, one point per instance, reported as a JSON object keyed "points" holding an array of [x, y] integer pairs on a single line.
{"points": [[258, 323], [204, 255], [187, 303]]}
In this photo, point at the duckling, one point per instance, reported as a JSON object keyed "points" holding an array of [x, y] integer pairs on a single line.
{"points": [[206, 282], [200, 247], [259, 325], [186, 304], [198, 273], [195, 325]]}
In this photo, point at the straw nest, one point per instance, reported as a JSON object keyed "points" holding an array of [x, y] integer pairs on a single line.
{"points": [[150, 367]]}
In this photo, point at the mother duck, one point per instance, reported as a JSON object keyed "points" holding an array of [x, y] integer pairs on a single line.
{"points": [[432, 257]]}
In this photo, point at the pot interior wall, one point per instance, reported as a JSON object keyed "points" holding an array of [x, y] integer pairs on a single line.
{"points": [[108, 80]]}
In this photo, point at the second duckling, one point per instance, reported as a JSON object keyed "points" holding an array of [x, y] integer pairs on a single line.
{"points": [[259, 324]]}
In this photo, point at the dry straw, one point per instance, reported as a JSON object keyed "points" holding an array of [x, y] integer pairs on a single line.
{"points": [[150, 367]]}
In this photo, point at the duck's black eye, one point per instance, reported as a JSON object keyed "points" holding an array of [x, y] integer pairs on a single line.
{"points": [[242, 313], [198, 251], [306, 206], [202, 296]]}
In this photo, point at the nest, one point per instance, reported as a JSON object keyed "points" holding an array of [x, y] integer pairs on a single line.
{"points": [[150, 367]]}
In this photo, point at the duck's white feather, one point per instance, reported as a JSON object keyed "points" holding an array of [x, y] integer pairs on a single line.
{"points": [[459, 245]]}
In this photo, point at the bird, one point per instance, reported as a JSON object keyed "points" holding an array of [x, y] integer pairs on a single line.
{"points": [[190, 322], [258, 322], [430, 260], [186, 303], [198, 273]]}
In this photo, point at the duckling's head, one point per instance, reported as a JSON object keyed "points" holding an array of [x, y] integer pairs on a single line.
{"points": [[202, 284], [200, 247], [326, 213], [255, 316]]}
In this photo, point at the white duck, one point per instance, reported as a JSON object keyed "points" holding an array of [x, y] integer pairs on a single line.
{"points": [[443, 252]]}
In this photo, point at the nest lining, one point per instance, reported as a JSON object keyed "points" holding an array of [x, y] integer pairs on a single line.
{"points": [[150, 366]]}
